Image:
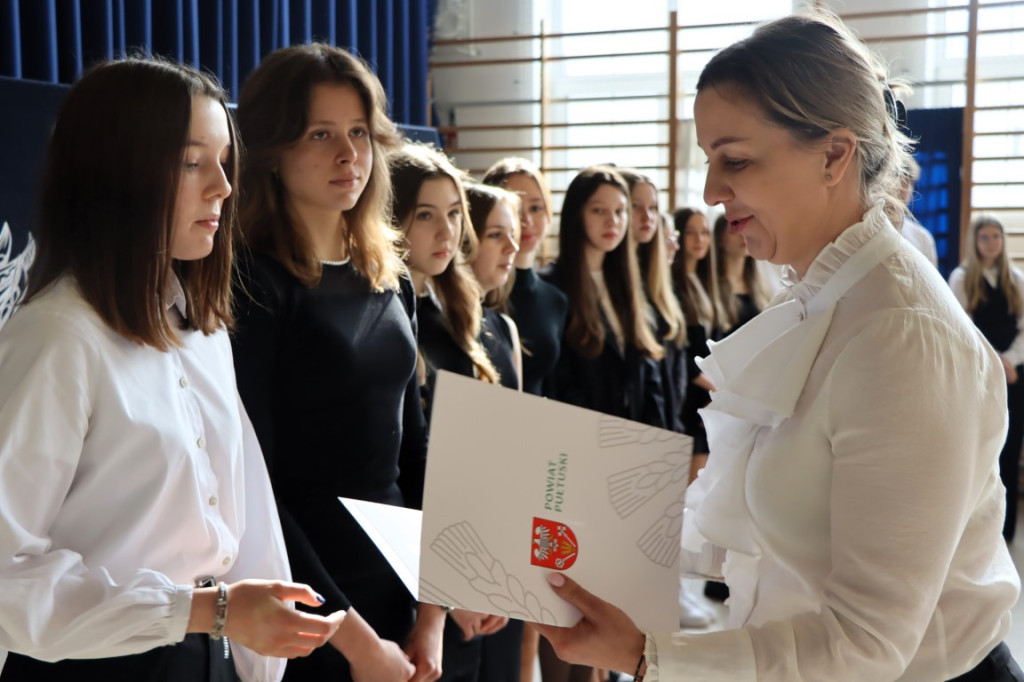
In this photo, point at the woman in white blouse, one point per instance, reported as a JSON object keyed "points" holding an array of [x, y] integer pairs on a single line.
{"points": [[138, 532], [853, 502], [992, 292]]}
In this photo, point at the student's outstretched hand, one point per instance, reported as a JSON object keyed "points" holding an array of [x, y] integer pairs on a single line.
{"points": [[605, 637], [425, 641], [370, 658], [473, 623], [260, 618]]}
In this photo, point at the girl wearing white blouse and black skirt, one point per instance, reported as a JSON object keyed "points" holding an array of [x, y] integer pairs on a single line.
{"points": [[135, 508], [992, 292]]}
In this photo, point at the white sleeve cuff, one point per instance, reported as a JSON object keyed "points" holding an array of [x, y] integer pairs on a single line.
{"points": [[724, 656]]}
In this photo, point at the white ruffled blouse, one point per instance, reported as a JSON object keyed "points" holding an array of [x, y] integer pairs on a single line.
{"points": [[852, 501]]}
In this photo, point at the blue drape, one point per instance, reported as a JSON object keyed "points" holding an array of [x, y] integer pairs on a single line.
{"points": [[936, 202], [53, 40]]}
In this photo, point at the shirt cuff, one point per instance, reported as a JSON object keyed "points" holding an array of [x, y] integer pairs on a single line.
{"points": [[181, 612], [723, 656]]}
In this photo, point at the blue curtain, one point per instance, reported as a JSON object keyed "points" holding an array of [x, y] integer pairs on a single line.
{"points": [[54, 40], [936, 202]]}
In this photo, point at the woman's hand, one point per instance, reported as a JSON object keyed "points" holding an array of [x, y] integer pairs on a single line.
{"points": [[473, 623], [260, 619], [370, 658], [424, 644], [704, 382], [604, 638]]}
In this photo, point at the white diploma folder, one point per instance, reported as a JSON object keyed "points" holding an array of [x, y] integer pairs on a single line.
{"points": [[518, 487]]}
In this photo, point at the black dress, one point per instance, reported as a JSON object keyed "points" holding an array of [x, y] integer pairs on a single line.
{"points": [[993, 318], [619, 381], [328, 377], [483, 659], [540, 311], [696, 397], [674, 375], [747, 310]]}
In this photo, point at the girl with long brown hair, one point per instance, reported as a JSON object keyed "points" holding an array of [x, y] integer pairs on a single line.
{"points": [[991, 290], [325, 350], [610, 353], [429, 209]]}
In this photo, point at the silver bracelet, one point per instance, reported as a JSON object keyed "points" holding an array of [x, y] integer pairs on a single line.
{"points": [[220, 616]]}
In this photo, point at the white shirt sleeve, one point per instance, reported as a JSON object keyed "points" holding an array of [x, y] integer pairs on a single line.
{"points": [[261, 553], [956, 283], [52, 605]]}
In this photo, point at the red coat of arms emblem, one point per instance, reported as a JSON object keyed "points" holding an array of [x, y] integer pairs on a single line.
{"points": [[554, 545]]}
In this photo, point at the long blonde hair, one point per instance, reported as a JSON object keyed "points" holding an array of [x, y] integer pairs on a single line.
{"points": [[502, 169], [456, 287], [707, 273], [974, 279], [655, 270], [273, 112]]}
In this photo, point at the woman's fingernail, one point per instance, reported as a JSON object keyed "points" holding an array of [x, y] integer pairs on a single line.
{"points": [[556, 579], [320, 599]]}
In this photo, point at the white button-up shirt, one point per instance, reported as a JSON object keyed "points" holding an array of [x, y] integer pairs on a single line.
{"points": [[125, 474]]}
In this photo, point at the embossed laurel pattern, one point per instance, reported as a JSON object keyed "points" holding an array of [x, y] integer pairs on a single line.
{"points": [[615, 432], [13, 272], [460, 546], [630, 489], [661, 541]]}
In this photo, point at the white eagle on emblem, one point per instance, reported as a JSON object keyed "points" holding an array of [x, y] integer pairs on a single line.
{"points": [[13, 271]]}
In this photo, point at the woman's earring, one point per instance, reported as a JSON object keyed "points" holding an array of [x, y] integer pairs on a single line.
{"points": [[828, 177]]}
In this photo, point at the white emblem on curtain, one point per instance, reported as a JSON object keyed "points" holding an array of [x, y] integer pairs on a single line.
{"points": [[13, 271]]}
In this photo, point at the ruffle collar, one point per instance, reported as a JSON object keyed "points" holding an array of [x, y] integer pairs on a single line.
{"points": [[835, 254]]}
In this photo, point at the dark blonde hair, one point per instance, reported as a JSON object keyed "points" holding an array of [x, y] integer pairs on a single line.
{"points": [[810, 75], [108, 198], [456, 288], [273, 113], [502, 169], [481, 200], [707, 273], [974, 277], [752, 277], [654, 268], [585, 331]]}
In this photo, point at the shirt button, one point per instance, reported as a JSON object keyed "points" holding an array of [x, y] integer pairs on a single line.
{"points": [[213, 501], [201, 442], [227, 560], [183, 382]]}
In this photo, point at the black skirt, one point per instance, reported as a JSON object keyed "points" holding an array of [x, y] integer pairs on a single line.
{"points": [[194, 659], [998, 666]]}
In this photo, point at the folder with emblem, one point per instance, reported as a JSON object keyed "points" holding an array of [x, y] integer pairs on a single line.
{"points": [[518, 486]]}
